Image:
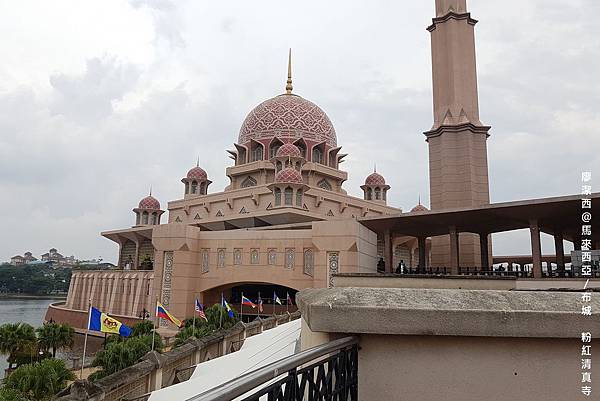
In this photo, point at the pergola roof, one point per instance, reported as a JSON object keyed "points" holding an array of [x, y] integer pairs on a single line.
{"points": [[552, 214]]}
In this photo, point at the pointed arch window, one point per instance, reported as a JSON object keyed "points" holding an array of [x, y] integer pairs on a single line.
{"points": [[248, 182], [377, 193], [194, 186], [289, 195], [369, 194], [277, 192], [299, 197], [145, 218], [317, 155], [257, 153], [324, 184], [187, 187]]}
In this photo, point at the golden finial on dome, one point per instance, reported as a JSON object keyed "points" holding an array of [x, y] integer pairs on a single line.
{"points": [[289, 87]]}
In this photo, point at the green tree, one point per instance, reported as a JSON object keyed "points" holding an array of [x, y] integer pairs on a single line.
{"points": [[143, 328], [121, 354], [55, 336], [18, 341], [41, 380], [216, 318]]}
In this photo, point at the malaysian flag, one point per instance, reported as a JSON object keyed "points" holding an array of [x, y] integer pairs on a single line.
{"points": [[200, 309]]}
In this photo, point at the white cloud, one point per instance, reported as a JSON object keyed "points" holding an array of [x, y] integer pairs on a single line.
{"points": [[98, 101]]}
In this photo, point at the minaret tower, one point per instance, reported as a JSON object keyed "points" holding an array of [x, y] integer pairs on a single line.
{"points": [[458, 170]]}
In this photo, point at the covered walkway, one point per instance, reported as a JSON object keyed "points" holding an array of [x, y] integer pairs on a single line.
{"points": [[560, 217]]}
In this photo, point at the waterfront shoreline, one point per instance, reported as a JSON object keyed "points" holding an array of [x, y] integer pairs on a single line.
{"points": [[31, 296]]}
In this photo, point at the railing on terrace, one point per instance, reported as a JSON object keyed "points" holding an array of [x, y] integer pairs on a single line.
{"points": [[510, 271], [326, 372]]}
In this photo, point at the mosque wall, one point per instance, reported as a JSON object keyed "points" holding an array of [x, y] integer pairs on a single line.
{"points": [[191, 262]]}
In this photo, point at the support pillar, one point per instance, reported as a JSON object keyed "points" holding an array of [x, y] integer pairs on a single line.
{"points": [[422, 254], [388, 253], [483, 247], [454, 251], [559, 252], [136, 261], [536, 248]]}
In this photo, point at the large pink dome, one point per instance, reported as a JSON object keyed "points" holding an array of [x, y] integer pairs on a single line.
{"points": [[289, 175], [288, 117], [149, 202]]}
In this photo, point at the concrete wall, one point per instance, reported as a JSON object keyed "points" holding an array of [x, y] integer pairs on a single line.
{"points": [[119, 292], [190, 276], [468, 368], [455, 345]]}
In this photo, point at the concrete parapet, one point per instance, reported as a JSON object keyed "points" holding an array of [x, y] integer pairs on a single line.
{"points": [[447, 312]]}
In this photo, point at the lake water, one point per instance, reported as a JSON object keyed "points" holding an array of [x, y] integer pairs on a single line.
{"points": [[25, 310]]}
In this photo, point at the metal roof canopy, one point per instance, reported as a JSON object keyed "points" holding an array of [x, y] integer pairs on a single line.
{"points": [[552, 214]]}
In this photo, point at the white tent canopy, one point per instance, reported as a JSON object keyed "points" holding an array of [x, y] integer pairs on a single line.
{"points": [[256, 352]]}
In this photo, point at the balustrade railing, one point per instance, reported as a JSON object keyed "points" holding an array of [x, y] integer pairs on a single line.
{"points": [[510, 271], [326, 372]]}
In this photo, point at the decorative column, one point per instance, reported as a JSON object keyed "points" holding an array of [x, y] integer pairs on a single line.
{"points": [[388, 252], [422, 254], [483, 249], [536, 248], [454, 251], [559, 251]]}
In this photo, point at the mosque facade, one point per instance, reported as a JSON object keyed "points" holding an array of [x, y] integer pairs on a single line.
{"points": [[285, 222]]}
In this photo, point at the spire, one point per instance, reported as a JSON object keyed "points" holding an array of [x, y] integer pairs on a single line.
{"points": [[289, 87], [419, 199], [198, 162], [150, 192], [374, 167]]}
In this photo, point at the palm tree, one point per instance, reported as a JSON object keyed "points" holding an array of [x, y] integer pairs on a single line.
{"points": [[40, 380], [55, 336], [18, 341], [121, 354]]}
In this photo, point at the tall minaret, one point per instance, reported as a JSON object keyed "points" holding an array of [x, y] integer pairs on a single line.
{"points": [[458, 170]]}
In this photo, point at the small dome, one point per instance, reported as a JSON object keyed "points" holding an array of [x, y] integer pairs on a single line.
{"points": [[419, 208], [149, 202], [197, 173], [289, 175], [375, 179], [289, 149]]}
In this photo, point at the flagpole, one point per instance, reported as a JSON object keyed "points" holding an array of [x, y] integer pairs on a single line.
{"points": [[194, 319], [87, 329], [258, 308], [154, 323], [287, 302], [242, 308], [221, 312]]}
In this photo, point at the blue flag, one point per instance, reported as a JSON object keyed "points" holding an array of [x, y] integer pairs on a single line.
{"points": [[103, 323], [225, 305]]}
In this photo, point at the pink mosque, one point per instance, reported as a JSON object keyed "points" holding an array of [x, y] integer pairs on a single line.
{"points": [[285, 222]]}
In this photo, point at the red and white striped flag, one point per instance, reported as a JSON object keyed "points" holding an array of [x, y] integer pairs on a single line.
{"points": [[200, 309]]}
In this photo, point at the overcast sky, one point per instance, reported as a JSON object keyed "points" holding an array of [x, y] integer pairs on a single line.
{"points": [[100, 100]]}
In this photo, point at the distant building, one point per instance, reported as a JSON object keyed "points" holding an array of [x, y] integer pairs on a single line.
{"points": [[22, 260], [16, 260], [54, 256]]}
